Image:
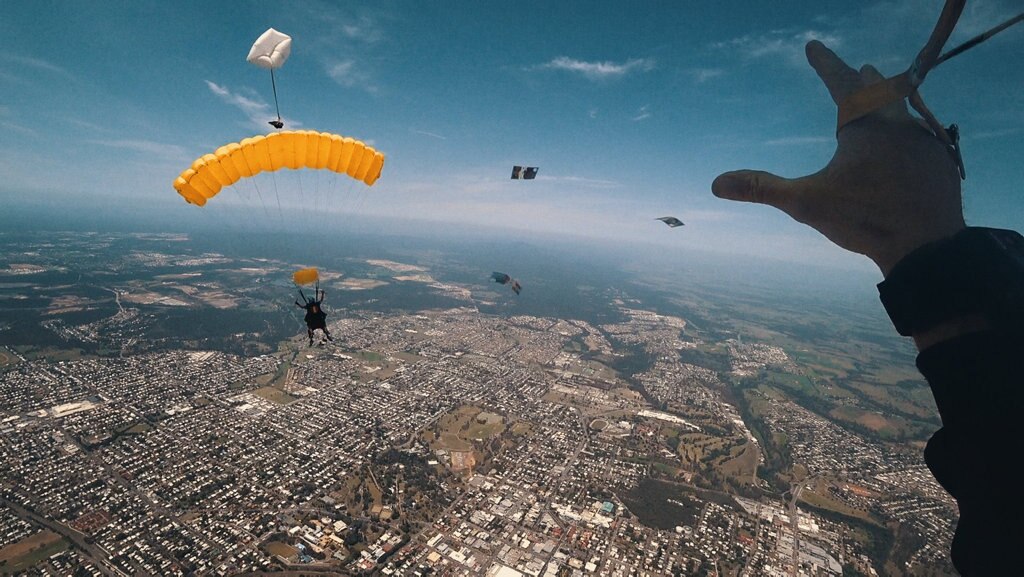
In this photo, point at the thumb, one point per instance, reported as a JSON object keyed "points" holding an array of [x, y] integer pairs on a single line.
{"points": [[760, 187]]}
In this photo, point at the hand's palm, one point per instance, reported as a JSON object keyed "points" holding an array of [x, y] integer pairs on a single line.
{"points": [[890, 187]]}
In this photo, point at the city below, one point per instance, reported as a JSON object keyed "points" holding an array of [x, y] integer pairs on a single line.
{"points": [[163, 414]]}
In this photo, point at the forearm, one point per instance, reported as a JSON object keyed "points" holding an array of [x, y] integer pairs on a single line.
{"points": [[979, 391], [962, 300]]}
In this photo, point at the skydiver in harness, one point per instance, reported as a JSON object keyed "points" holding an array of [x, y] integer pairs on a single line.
{"points": [[315, 318]]}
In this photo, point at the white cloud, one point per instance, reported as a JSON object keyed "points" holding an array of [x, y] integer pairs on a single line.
{"points": [[86, 124], [360, 28], [982, 15], [23, 70], [19, 128], [997, 133], [37, 63], [579, 181], [363, 30], [785, 44], [642, 114], [170, 151], [600, 70], [257, 111], [348, 74], [701, 75], [425, 133]]}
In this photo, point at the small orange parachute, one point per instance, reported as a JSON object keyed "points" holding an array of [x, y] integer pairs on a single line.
{"points": [[293, 149], [306, 276]]}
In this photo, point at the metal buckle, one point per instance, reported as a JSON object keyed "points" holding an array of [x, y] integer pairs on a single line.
{"points": [[954, 136]]}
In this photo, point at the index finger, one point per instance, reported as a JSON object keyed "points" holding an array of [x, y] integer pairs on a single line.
{"points": [[840, 79]]}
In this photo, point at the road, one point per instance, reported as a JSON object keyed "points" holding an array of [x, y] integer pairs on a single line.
{"points": [[91, 552]]}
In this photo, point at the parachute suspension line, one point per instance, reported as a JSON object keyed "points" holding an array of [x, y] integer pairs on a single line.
{"points": [[302, 198], [349, 200], [280, 213], [336, 192], [316, 202], [225, 222], [260, 195], [905, 86], [361, 197], [245, 202], [273, 84], [979, 39]]}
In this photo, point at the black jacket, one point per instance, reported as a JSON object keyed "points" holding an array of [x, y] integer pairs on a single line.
{"points": [[978, 454]]}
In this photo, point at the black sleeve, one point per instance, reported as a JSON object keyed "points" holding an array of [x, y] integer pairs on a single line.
{"points": [[975, 276], [978, 383]]}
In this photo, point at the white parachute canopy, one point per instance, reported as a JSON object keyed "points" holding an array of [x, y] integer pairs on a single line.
{"points": [[270, 50]]}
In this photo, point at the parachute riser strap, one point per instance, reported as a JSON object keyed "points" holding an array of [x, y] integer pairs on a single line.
{"points": [[891, 90], [882, 94], [949, 135], [905, 85]]}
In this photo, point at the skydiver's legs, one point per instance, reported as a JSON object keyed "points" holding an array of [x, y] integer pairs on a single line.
{"points": [[327, 333], [310, 331]]}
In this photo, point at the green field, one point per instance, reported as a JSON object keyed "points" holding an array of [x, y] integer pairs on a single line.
{"points": [[50, 353], [281, 549], [454, 443], [819, 498], [741, 462], [458, 428], [369, 356], [139, 429], [275, 395], [26, 553], [521, 428], [7, 359], [483, 431]]}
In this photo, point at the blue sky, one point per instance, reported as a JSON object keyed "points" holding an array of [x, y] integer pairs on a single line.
{"points": [[630, 109]]}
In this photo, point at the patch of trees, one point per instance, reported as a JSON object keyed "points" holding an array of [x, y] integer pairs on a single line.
{"points": [[649, 502], [716, 362], [777, 458]]}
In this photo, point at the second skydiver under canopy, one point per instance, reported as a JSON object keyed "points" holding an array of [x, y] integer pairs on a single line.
{"points": [[524, 172], [502, 278], [315, 318]]}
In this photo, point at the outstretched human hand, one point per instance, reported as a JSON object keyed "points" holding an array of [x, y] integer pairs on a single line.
{"points": [[890, 188]]}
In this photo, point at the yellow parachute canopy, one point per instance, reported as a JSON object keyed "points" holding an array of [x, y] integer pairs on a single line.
{"points": [[285, 149], [306, 276]]}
